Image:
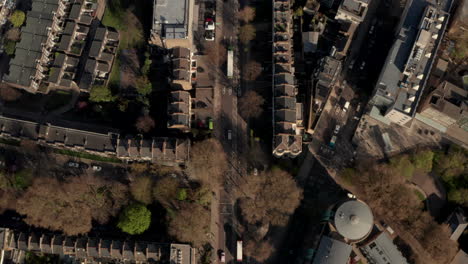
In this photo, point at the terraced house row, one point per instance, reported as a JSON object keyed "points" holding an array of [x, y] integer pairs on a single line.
{"points": [[14, 245], [287, 112], [59, 48], [97, 140]]}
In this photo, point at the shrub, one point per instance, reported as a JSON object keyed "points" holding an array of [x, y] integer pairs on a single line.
{"points": [[101, 94], [423, 160], [17, 18], [10, 47], [403, 165]]}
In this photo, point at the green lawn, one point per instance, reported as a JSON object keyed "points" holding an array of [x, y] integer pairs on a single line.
{"points": [[84, 155], [12, 142], [419, 195], [114, 78], [57, 99]]}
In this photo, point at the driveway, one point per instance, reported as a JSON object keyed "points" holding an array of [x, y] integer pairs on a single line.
{"points": [[434, 190]]}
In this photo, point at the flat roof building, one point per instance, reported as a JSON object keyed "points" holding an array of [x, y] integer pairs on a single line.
{"points": [[409, 62], [444, 107], [382, 250], [172, 22]]}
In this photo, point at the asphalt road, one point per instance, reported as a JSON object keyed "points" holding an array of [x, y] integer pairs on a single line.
{"points": [[227, 121]]}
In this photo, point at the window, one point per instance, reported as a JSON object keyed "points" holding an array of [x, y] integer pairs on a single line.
{"points": [[372, 245]]}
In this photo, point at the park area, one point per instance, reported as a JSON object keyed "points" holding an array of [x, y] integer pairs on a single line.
{"points": [[389, 189]]}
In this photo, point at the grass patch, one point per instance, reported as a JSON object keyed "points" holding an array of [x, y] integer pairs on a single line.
{"points": [[57, 99], [10, 141], [84, 155], [114, 78], [126, 22], [420, 195]]}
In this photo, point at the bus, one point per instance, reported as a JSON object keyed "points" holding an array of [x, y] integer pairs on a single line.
{"points": [[239, 250], [230, 63]]}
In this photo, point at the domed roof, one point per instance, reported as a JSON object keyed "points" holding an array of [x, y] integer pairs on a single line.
{"points": [[354, 220]]}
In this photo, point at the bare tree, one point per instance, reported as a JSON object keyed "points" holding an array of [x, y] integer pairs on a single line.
{"points": [[71, 206], [165, 191], [250, 105], [13, 34], [259, 251], [144, 123], [247, 14], [208, 161], [8, 93], [252, 70], [247, 33], [269, 197], [141, 189], [216, 53], [190, 224]]}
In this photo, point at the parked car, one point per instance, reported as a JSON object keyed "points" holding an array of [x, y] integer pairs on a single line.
{"points": [[346, 106], [229, 134], [84, 166], [209, 35], [363, 64], [351, 65], [96, 167], [222, 257], [73, 164], [209, 24], [337, 129]]}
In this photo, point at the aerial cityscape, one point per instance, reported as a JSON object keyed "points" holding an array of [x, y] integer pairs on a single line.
{"points": [[234, 131]]}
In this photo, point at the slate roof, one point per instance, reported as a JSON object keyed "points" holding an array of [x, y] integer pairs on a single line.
{"points": [[331, 251]]}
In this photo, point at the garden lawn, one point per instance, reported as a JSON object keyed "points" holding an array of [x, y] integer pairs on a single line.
{"points": [[57, 99]]}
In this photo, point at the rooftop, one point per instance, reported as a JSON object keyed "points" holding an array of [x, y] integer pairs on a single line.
{"points": [[353, 220], [409, 62], [332, 251], [381, 250], [170, 18]]}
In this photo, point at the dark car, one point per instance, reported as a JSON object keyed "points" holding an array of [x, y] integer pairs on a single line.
{"points": [[84, 166]]}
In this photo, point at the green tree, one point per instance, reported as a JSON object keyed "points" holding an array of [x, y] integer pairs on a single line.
{"points": [[146, 65], [17, 18], [101, 93], [134, 219], [459, 196], [423, 160], [10, 47], [143, 85], [403, 165], [182, 194], [247, 33]]}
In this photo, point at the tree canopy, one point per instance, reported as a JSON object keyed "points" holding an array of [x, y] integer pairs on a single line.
{"points": [[134, 219], [101, 93], [71, 205], [17, 18], [208, 161], [190, 223], [141, 189], [251, 105], [145, 123], [247, 14], [269, 197], [247, 33]]}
